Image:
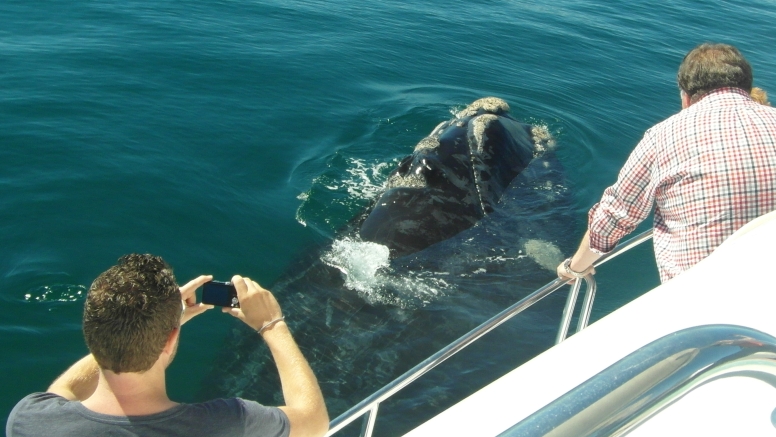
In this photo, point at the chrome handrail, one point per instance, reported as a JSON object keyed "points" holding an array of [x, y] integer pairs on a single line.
{"points": [[587, 304], [639, 386], [371, 404], [568, 309]]}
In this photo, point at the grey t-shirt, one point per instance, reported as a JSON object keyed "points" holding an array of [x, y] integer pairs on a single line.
{"points": [[50, 415]]}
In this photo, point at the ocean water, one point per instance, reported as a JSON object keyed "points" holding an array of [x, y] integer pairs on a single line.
{"points": [[240, 136]]}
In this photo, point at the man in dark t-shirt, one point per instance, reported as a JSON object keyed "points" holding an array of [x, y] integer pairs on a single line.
{"points": [[44, 414], [132, 319]]}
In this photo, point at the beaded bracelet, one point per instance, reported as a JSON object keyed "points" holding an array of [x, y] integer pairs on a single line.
{"points": [[269, 324]]}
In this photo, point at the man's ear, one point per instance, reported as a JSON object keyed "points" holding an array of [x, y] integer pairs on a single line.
{"points": [[172, 341], [686, 102]]}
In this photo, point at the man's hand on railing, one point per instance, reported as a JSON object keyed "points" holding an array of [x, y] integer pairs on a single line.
{"points": [[581, 264], [565, 271]]}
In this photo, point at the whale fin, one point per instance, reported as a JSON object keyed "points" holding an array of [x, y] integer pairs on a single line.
{"points": [[545, 254]]}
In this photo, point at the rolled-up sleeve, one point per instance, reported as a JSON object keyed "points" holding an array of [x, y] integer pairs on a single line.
{"points": [[626, 203]]}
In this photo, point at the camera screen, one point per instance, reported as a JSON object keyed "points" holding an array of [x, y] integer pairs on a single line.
{"points": [[220, 293]]}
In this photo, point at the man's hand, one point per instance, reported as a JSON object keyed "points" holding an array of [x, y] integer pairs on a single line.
{"points": [[305, 408], [257, 305], [581, 262], [189, 298], [562, 272]]}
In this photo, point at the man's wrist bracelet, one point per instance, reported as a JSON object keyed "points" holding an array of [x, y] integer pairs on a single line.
{"points": [[270, 324], [567, 269]]}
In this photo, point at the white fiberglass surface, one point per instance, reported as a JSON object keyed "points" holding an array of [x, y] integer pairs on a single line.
{"points": [[729, 287], [733, 406]]}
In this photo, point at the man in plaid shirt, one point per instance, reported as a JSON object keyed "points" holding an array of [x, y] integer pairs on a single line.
{"points": [[708, 170]]}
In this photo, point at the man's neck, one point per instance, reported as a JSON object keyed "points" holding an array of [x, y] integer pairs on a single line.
{"points": [[130, 394]]}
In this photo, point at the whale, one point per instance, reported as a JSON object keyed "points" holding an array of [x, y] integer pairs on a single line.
{"points": [[504, 181], [454, 177]]}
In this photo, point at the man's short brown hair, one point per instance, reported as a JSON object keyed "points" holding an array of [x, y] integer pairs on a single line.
{"points": [[712, 66], [129, 313]]}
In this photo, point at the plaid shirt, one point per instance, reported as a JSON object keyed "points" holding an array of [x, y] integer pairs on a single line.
{"points": [[708, 170]]}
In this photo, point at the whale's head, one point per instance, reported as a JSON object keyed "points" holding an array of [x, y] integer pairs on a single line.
{"points": [[453, 178]]}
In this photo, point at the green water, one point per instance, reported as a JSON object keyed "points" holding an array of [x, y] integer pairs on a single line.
{"points": [[232, 136]]}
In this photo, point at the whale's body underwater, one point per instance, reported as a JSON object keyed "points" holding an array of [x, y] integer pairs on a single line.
{"points": [[475, 218], [454, 177]]}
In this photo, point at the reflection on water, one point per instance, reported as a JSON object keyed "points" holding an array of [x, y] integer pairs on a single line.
{"points": [[57, 293]]}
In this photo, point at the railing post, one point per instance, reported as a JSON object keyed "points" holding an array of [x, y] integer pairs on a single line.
{"points": [[571, 301], [568, 311], [369, 421], [587, 304]]}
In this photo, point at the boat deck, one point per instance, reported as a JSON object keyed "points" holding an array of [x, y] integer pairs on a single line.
{"points": [[732, 286]]}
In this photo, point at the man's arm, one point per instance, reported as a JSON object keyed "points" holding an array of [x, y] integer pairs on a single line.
{"points": [[582, 260], [622, 207], [305, 407], [79, 381]]}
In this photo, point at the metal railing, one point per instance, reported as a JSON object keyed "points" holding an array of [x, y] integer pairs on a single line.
{"points": [[639, 386], [371, 404]]}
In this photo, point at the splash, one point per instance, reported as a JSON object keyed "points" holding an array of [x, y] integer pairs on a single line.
{"points": [[543, 139], [359, 262], [365, 181], [341, 192], [366, 268], [56, 293]]}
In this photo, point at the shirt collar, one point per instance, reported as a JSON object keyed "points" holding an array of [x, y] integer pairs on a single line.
{"points": [[722, 94]]}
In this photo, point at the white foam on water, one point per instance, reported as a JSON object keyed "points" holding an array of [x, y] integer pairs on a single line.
{"points": [[366, 180], [56, 293], [415, 288], [543, 138], [366, 269], [358, 261], [360, 181]]}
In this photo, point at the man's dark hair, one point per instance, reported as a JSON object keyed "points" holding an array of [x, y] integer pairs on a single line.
{"points": [[129, 313], [711, 66]]}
